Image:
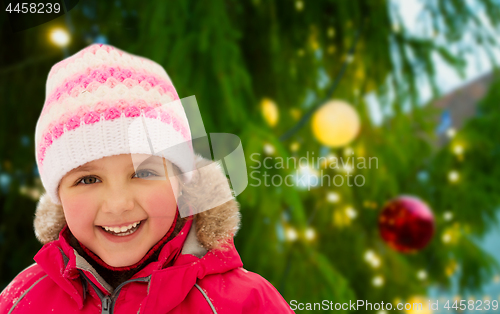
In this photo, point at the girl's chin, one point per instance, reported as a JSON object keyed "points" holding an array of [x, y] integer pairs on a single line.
{"points": [[121, 259]]}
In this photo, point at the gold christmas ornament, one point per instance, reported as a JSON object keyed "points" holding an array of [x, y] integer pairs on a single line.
{"points": [[336, 123]]}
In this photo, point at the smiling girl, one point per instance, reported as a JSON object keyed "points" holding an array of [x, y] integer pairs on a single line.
{"points": [[118, 212], [126, 230]]}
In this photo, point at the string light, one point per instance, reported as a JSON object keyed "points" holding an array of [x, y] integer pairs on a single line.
{"points": [[451, 268], [32, 193], [347, 168], [451, 132], [422, 274], [378, 281], [348, 151], [333, 197], [340, 218], [458, 149], [396, 301], [331, 32], [372, 258], [448, 216], [314, 44], [295, 113], [446, 238], [269, 111], [307, 176], [417, 309], [351, 212], [453, 176], [299, 5], [294, 146], [310, 234], [291, 234], [452, 234], [369, 255], [370, 204], [60, 37], [269, 149]]}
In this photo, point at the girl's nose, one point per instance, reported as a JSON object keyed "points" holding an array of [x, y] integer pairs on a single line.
{"points": [[117, 200]]}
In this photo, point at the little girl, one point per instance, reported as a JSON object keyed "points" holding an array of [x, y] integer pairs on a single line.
{"points": [[127, 230]]}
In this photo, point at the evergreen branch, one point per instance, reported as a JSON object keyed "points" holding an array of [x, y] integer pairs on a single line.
{"points": [[28, 62], [307, 116]]}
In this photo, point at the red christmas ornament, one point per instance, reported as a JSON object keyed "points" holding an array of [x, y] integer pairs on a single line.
{"points": [[406, 224]]}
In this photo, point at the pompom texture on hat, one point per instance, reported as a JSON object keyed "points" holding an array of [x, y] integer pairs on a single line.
{"points": [[93, 102], [49, 220]]}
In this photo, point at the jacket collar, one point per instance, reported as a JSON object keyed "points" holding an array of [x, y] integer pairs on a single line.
{"points": [[182, 261], [185, 271]]}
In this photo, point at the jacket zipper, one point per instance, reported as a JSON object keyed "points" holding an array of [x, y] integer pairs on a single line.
{"points": [[106, 305], [108, 302]]}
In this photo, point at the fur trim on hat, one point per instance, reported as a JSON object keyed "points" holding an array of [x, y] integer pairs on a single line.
{"points": [[49, 220], [214, 227]]}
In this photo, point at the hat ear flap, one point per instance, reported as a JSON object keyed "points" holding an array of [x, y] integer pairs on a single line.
{"points": [[49, 220]]}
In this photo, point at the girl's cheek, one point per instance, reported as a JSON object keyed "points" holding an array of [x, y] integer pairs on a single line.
{"points": [[161, 203], [77, 210]]}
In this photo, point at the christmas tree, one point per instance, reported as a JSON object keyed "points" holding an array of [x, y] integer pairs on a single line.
{"points": [[290, 78]]}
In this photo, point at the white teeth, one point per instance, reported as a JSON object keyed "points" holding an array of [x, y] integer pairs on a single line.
{"points": [[121, 229]]}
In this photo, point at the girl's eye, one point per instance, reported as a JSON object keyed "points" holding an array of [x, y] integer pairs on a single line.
{"points": [[87, 180], [144, 174], [91, 179]]}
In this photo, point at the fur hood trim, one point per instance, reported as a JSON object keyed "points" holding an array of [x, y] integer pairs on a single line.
{"points": [[209, 185]]}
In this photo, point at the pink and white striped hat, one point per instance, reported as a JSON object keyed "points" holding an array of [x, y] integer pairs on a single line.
{"points": [[94, 101]]}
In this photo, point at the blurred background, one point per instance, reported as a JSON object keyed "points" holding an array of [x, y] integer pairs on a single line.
{"points": [[410, 86]]}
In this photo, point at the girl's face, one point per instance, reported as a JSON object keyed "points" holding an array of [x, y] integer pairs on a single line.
{"points": [[117, 211]]}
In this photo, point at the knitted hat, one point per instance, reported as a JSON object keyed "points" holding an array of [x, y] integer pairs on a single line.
{"points": [[102, 102]]}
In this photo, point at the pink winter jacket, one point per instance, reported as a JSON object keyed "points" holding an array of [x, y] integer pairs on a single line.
{"points": [[61, 281]]}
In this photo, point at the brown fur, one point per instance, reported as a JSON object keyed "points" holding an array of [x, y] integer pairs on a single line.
{"points": [[208, 188]]}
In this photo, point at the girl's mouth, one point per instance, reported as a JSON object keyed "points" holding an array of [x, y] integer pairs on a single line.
{"points": [[123, 231]]}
